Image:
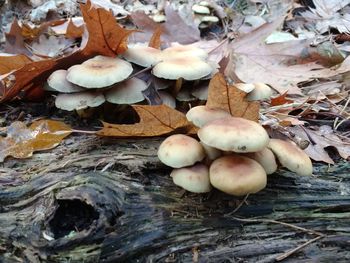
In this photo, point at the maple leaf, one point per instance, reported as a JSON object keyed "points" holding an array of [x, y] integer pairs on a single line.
{"points": [[154, 121], [231, 99], [21, 141]]}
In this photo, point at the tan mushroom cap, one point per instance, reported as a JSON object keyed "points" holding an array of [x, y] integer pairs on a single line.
{"points": [[127, 92], [180, 150], [58, 82], [234, 134], [189, 68], [183, 51], [79, 101], [237, 175], [142, 55], [201, 115], [291, 156], [193, 178], [99, 72], [260, 92], [266, 159]]}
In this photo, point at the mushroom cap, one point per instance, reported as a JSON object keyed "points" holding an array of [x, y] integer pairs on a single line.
{"points": [[237, 175], [200, 92], [246, 87], [167, 99], [291, 156], [159, 18], [127, 92], [193, 178], [200, 9], [209, 19], [142, 55], [189, 68], [183, 51], [234, 134], [266, 159], [79, 101], [58, 82], [260, 92], [201, 115], [180, 150], [99, 72], [211, 152]]}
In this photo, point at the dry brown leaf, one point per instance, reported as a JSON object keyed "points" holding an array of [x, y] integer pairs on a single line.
{"points": [[154, 121], [155, 40], [231, 99], [74, 31], [21, 141], [14, 43], [9, 63], [280, 100]]}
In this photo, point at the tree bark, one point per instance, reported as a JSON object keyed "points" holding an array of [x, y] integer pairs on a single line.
{"points": [[101, 200]]}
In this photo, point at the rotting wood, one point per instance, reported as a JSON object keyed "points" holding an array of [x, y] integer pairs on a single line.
{"points": [[59, 207]]}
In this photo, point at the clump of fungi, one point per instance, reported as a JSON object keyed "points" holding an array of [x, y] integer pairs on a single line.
{"points": [[233, 155]]}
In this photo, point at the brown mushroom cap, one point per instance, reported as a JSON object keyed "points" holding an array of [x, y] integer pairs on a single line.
{"points": [[201, 115], [142, 55], [237, 175], [234, 134], [58, 82], [291, 156], [99, 72], [189, 68], [79, 100], [180, 150], [266, 159], [193, 178]]}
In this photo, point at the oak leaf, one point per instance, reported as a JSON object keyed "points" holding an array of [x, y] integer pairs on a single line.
{"points": [[9, 63], [21, 141], [154, 121], [221, 95]]}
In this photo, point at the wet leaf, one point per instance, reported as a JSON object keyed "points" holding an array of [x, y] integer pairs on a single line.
{"points": [[21, 141], [231, 99], [154, 121]]}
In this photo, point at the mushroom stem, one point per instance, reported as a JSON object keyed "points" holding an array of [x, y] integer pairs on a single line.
{"points": [[178, 85]]}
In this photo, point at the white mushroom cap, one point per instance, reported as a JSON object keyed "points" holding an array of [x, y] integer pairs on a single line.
{"points": [[200, 92], [234, 134], [201, 115], [266, 159], [237, 175], [200, 9], [291, 156], [99, 72], [127, 92], [183, 51], [211, 152], [58, 82], [159, 18], [193, 178], [185, 95], [180, 150], [79, 101], [142, 55], [189, 68], [167, 99], [261, 92], [209, 19], [246, 87]]}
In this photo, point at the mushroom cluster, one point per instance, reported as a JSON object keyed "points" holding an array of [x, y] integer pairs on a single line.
{"points": [[204, 14], [233, 155]]}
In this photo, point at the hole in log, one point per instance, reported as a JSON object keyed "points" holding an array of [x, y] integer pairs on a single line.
{"points": [[72, 215]]}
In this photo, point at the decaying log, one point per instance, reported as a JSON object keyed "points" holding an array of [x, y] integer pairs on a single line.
{"points": [[97, 200]]}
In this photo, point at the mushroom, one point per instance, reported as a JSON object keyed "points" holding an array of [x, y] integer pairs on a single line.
{"points": [[142, 55], [179, 150], [79, 101], [167, 99], [200, 9], [246, 87], [99, 72], [211, 153], [57, 82], [266, 159], [193, 178], [260, 92], [237, 175], [201, 115], [127, 92], [234, 134], [291, 156], [183, 51]]}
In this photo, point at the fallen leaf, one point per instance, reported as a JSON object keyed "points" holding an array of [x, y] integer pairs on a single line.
{"points": [[21, 141], [155, 40], [74, 31], [280, 100], [12, 62], [154, 121], [50, 47], [14, 40], [231, 99]]}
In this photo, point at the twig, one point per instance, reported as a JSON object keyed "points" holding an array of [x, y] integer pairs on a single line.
{"points": [[292, 251], [239, 206]]}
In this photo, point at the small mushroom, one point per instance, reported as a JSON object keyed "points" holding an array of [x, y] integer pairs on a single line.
{"points": [[200, 9], [183, 51], [260, 92], [237, 175], [79, 101], [234, 134], [266, 159], [193, 178], [246, 87], [179, 150], [58, 82], [142, 55], [201, 115], [291, 156], [211, 153], [99, 72]]}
